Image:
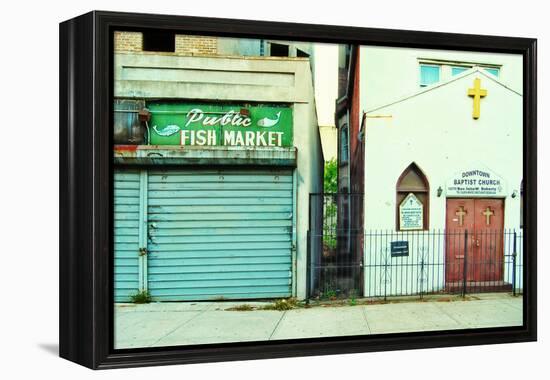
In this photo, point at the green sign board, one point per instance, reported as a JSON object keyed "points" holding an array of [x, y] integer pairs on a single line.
{"points": [[195, 124]]}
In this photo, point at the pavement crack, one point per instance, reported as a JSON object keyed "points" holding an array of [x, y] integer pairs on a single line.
{"points": [[364, 310], [180, 325], [277, 325], [458, 322]]}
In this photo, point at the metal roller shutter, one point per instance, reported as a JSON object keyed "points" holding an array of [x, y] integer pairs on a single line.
{"points": [[219, 234], [126, 239]]}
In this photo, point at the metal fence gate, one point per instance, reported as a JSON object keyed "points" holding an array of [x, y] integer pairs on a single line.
{"points": [[335, 242], [346, 261], [416, 263]]}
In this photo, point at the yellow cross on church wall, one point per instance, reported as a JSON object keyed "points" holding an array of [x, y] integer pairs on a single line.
{"points": [[477, 93]]}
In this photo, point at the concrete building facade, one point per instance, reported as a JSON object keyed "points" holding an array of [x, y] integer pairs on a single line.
{"points": [[325, 79], [215, 158], [441, 137]]}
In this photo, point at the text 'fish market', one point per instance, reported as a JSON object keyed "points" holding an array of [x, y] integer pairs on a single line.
{"points": [[244, 127]]}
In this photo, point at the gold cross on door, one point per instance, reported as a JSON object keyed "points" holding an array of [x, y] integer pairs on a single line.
{"points": [[460, 213], [488, 213]]}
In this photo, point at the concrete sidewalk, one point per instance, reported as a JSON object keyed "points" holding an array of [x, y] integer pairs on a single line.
{"points": [[167, 324]]}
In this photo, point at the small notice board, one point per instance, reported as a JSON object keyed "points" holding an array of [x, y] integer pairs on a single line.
{"points": [[411, 213]]}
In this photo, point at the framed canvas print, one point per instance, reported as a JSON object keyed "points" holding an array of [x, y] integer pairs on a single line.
{"points": [[238, 189]]}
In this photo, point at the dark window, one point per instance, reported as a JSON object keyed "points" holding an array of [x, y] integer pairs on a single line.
{"points": [[344, 144], [413, 180], [127, 128], [301, 53], [344, 218], [160, 41], [279, 50]]}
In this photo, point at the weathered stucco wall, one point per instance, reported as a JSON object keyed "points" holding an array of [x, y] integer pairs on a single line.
{"points": [[435, 129], [252, 79], [389, 73]]}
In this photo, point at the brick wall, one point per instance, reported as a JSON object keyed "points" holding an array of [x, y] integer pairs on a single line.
{"points": [[128, 41], [185, 44], [196, 45]]}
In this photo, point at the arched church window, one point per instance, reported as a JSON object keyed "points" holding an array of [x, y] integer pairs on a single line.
{"points": [[413, 196]]}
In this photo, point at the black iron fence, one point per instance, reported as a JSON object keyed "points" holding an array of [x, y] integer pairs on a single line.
{"points": [[335, 245], [344, 262], [443, 261], [337, 273]]}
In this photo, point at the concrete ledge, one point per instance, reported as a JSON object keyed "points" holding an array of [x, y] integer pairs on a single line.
{"points": [[189, 90], [203, 155]]}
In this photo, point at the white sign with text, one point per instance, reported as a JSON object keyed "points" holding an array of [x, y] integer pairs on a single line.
{"points": [[476, 181], [411, 213]]}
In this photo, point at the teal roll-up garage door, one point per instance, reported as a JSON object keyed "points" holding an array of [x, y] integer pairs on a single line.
{"points": [[219, 234], [126, 229]]}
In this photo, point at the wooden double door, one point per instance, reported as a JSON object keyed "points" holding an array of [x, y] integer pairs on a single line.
{"points": [[474, 241]]}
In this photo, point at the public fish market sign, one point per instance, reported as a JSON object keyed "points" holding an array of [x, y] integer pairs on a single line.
{"points": [[220, 125]]}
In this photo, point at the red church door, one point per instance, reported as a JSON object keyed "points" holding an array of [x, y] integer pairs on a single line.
{"points": [[474, 243]]}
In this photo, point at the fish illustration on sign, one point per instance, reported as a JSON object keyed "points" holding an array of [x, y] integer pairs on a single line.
{"points": [[169, 130], [267, 122]]}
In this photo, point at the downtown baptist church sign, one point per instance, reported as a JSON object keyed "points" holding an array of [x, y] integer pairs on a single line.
{"points": [[220, 125], [476, 181]]}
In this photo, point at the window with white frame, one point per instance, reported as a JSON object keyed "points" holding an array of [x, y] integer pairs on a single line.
{"points": [[429, 74], [492, 70], [455, 70], [433, 71]]}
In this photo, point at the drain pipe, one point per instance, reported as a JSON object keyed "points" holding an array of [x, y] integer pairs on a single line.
{"points": [[144, 115], [294, 248]]}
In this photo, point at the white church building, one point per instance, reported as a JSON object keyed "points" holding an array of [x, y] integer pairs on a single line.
{"points": [[441, 133]]}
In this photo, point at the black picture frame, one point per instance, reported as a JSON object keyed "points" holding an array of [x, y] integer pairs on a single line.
{"points": [[86, 77]]}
